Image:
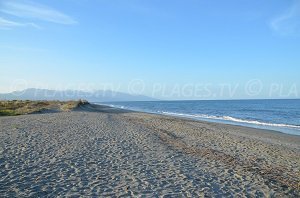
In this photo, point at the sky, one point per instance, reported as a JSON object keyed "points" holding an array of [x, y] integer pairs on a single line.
{"points": [[171, 49]]}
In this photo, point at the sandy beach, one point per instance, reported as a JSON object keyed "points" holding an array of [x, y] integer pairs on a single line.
{"points": [[100, 151]]}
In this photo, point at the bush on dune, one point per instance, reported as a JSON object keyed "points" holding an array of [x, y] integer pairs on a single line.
{"points": [[20, 107]]}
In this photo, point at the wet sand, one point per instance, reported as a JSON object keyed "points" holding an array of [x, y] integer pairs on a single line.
{"points": [[101, 151]]}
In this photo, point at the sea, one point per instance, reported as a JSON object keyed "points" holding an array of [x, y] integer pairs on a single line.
{"points": [[279, 115]]}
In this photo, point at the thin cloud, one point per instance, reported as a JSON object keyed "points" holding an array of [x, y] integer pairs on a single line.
{"points": [[288, 22], [30, 10], [8, 24]]}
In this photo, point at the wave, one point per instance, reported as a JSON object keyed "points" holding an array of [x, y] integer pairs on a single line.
{"points": [[114, 106], [212, 117], [229, 118]]}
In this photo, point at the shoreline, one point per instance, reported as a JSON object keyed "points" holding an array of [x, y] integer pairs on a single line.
{"points": [[99, 150], [231, 123]]}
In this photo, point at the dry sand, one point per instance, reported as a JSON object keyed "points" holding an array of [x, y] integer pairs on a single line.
{"points": [[100, 151]]}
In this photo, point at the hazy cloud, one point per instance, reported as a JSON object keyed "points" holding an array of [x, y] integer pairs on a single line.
{"points": [[288, 22], [34, 11], [8, 24]]}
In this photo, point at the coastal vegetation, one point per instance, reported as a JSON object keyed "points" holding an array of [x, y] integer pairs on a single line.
{"points": [[21, 107]]}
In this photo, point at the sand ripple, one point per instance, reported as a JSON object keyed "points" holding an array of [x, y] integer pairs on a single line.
{"points": [[109, 154]]}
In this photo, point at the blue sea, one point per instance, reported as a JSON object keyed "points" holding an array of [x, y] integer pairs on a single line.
{"points": [[278, 115]]}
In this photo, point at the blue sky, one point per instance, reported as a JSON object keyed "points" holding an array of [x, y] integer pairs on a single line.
{"points": [[165, 49]]}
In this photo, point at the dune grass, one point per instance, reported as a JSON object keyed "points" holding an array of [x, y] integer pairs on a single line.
{"points": [[21, 107]]}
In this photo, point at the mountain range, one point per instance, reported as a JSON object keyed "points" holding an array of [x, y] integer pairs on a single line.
{"points": [[93, 96]]}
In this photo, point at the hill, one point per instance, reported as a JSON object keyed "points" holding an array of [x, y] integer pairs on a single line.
{"points": [[95, 96]]}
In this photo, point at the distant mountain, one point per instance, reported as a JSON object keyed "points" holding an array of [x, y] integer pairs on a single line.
{"points": [[95, 96]]}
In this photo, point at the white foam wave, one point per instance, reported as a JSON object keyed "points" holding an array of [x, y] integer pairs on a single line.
{"points": [[117, 106], [111, 105], [229, 118]]}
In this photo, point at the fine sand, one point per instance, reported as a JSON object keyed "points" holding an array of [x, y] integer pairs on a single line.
{"points": [[100, 151]]}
